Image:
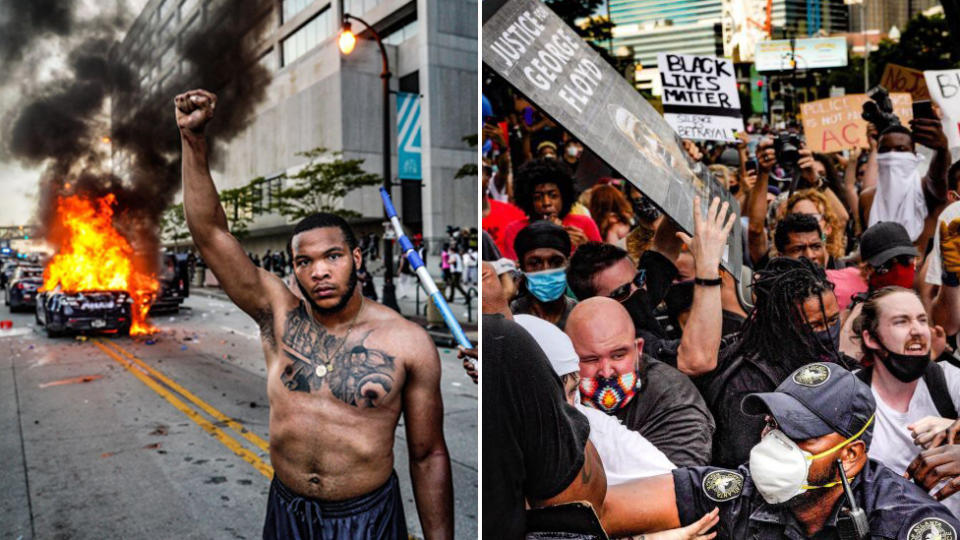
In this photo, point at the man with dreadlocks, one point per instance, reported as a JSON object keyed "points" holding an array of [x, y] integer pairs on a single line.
{"points": [[795, 321]]}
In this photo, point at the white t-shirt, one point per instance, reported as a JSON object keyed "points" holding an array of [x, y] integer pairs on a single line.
{"points": [[892, 442], [456, 263], [934, 269], [626, 454]]}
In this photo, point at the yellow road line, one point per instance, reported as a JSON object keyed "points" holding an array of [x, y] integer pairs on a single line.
{"points": [[209, 409], [228, 441]]}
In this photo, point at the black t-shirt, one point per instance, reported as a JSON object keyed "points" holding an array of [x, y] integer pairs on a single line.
{"points": [[724, 388], [670, 413], [533, 441]]}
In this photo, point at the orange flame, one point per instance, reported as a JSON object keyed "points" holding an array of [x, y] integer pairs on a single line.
{"points": [[93, 256]]}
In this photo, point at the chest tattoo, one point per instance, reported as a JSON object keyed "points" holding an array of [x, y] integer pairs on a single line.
{"points": [[357, 375]]}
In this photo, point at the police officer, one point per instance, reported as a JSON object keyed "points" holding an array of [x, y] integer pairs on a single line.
{"points": [[819, 422]]}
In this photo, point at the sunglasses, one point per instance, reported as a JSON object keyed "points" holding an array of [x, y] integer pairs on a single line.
{"points": [[624, 291]]}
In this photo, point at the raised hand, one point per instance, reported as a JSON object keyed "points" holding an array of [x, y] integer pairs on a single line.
{"points": [[709, 238], [766, 155], [950, 245], [929, 132], [194, 109]]}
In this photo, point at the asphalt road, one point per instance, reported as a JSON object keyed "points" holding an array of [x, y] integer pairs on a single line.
{"points": [[165, 438]]}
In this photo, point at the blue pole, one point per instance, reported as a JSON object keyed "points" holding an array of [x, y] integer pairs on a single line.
{"points": [[425, 279]]}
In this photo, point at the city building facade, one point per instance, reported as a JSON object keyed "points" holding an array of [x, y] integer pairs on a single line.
{"points": [[318, 97]]}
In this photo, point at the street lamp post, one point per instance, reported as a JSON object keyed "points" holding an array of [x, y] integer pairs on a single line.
{"points": [[346, 42]]}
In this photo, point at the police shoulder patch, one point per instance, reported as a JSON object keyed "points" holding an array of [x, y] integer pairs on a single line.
{"points": [[722, 485], [931, 528], [812, 374]]}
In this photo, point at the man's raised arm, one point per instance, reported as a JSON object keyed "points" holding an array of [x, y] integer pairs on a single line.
{"points": [[243, 282]]}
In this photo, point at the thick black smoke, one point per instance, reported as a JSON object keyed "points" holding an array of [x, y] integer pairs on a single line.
{"points": [[62, 123]]}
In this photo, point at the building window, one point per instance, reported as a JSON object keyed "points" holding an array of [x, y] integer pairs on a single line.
{"points": [[191, 25], [269, 61], [359, 7], [187, 7], [292, 7], [168, 57], [165, 8], [307, 36], [271, 193], [402, 34]]}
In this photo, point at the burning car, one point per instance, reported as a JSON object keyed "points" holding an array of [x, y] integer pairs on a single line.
{"points": [[100, 311], [21, 289], [96, 281]]}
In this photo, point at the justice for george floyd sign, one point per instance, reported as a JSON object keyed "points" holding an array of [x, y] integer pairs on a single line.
{"points": [[700, 99], [542, 58]]}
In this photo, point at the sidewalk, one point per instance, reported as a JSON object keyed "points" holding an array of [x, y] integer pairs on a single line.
{"points": [[410, 308]]}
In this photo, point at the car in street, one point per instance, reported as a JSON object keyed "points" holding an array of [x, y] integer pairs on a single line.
{"points": [[21, 289], [88, 311], [6, 270]]}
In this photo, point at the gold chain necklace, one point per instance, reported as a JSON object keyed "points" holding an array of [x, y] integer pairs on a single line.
{"points": [[327, 365]]}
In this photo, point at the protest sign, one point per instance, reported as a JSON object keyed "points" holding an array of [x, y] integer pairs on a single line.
{"points": [[700, 99], [541, 57], [903, 79], [944, 88], [835, 124]]}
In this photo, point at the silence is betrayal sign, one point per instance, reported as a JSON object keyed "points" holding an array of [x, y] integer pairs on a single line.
{"points": [[835, 124], [700, 98], [541, 57]]}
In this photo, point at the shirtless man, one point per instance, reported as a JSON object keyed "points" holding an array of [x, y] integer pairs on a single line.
{"points": [[340, 369]]}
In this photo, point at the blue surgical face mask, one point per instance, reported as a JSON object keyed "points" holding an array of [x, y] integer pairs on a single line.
{"points": [[547, 285]]}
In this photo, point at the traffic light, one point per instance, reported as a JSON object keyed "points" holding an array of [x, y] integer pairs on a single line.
{"points": [[760, 85]]}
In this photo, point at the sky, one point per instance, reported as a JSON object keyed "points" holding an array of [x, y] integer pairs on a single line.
{"points": [[18, 182]]}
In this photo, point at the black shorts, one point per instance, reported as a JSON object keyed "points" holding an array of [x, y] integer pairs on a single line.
{"points": [[374, 516]]}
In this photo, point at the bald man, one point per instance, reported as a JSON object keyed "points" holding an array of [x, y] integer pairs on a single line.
{"points": [[646, 395]]}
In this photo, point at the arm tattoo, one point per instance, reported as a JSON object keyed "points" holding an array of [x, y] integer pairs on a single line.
{"points": [[355, 374], [586, 474]]}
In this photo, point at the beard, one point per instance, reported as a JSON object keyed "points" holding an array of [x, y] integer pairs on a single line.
{"points": [[812, 496], [341, 303]]}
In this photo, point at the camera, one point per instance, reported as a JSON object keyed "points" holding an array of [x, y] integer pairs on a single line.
{"points": [[879, 110], [787, 147]]}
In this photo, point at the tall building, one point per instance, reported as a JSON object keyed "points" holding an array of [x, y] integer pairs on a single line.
{"points": [[320, 98], [708, 26], [882, 15]]}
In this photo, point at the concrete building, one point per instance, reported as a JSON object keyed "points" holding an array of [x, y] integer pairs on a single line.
{"points": [[706, 26], [882, 15], [320, 98]]}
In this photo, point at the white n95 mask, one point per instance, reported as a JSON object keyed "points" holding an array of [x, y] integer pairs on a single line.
{"points": [[779, 468]]}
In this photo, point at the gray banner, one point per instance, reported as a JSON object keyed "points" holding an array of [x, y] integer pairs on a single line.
{"points": [[539, 55]]}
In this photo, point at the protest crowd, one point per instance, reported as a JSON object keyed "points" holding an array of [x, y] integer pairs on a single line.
{"points": [[625, 366]]}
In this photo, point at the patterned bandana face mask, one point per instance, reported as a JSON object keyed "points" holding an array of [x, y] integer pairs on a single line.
{"points": [[609, 394]]}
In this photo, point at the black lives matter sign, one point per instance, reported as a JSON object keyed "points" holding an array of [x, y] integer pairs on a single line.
{"points": [[540, 56], [700, 98]]}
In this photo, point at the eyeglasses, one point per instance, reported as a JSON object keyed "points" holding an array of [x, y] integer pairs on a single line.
{"points": [[902, 260], [624, 291]]}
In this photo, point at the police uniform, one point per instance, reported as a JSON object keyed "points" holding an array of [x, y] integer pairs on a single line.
{"points": [[895, 507]]}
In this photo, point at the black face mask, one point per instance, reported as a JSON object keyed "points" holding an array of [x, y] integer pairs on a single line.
{"points": [[641, 314], [829, 340], [905, 367]]}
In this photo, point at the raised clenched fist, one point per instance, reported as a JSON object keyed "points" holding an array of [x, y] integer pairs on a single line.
{"points": [[194, 110]]}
